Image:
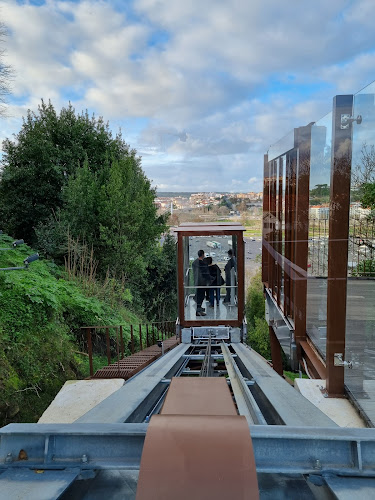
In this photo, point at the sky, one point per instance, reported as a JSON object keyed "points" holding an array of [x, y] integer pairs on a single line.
{"points": [[200, 88]]}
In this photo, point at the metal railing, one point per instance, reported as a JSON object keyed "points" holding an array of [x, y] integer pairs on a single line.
{"points": [[139, 337]]}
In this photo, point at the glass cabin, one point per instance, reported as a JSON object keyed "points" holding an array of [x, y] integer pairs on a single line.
{"points": [[210, 274]]}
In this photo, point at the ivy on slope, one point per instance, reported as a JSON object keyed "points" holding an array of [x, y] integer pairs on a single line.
{"points": [[41, 314]]}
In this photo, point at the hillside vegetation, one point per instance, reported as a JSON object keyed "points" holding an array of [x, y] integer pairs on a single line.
{"points": [[77, 195], [41, 313]]}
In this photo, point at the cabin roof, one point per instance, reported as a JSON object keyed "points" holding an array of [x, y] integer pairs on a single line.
{"points": [[198, 227]]}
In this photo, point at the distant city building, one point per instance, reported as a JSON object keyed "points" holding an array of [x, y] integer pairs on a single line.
{"points": [[319, 212], [356, 211], [201, 200]]}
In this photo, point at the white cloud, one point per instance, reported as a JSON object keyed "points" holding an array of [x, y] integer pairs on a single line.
{"points": [[230, 78]]}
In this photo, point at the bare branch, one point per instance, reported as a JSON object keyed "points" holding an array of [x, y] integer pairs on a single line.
{"points": [[364, 172], [6, 73]]}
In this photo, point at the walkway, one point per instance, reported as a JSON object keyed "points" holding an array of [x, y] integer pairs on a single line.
{"points": [[127, 367]]}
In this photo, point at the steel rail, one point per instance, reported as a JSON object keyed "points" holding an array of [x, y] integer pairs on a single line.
{"points": [[207, 369], [246, 403]]}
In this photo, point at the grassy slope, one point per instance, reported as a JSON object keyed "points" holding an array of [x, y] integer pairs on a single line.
{"points": [[41, 314]]}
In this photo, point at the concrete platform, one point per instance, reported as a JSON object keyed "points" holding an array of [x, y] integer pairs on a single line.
{"points": [[337, 409], [76, 398]]}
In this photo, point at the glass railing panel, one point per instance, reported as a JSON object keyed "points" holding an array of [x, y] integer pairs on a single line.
{"points": [[210, 278], [319, 193], [282, 146], [360, 314]]}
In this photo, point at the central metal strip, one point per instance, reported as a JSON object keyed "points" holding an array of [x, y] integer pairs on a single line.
{"points": [[207, 369]]}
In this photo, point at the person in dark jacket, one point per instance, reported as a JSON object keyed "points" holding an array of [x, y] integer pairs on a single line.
{"points": [[202, 278], [207, 291], [228, 268], [216, 280]]}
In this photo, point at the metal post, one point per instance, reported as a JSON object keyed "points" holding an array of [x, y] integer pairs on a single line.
{"points": [[180, 277], [132, 339], [108, 346], [147, 341], [122, 342], [271, 222], [278, 234], [277, 361], [292, 208], [338, 242], [89, 348], [302, 139], [288, 245], [153, 333], [118, 350], [265, 224], [140, 338]]}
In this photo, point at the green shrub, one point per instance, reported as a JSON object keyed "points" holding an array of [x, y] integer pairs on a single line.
{"points": [[365, 268], [258, 338], [257, 335], [41, 315], [254, 307]]}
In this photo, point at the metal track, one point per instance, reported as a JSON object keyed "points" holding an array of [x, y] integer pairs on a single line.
{"points": [[207, 369], [245, 401]]}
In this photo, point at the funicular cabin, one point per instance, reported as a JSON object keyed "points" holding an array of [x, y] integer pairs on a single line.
{"points": [[224, 244]]}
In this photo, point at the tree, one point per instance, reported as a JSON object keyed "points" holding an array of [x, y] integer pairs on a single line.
{"points": [[128, 222], [6, 73], [111, 211], [66, 178], [242, 207], [364, 177], [364, 173], [368, 195], [258, 335], [47, 151], [160, 291]]}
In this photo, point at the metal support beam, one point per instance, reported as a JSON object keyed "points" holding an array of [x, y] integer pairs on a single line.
{"points": [[303, 143], [277, 361], [343, 451], [338, 243]]}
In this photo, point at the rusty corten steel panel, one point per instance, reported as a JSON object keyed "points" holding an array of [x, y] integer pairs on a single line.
{"points": [[303, 140], [205, 456], [198, 396], [338, 243]]}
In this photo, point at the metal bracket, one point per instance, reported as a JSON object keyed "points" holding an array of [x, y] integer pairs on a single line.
{"points": [[339, 361], [347, 119]]}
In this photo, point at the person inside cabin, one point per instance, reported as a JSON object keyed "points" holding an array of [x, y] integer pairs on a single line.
{"points": [[202, 278], [231, 264], [207, 291], [216, 280]]}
